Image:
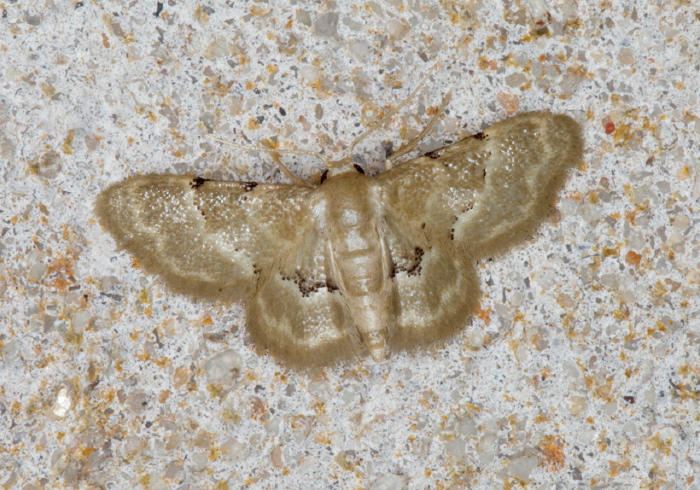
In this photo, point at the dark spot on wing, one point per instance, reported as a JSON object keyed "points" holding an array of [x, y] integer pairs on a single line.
{"points": [[435, 153], [197, 182], [484, 176], [409, 265], [419, 253], [358, 168], [309, 285], [456, 218], [480, 136], [324, 176], [422, 226], [249, 186]]}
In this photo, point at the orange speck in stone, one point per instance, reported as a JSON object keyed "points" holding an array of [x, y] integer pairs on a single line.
{"points": [[181, 377], [253, 123], [553, 452], [609, 127], [609, 252], [258, 408], [322, 438], [61, 273], [633, 258], [509, 102], [487, 64], [484, 315], [683, 173]]}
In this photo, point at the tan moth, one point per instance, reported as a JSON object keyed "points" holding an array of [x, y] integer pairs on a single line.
{"points": [[328, 270]]}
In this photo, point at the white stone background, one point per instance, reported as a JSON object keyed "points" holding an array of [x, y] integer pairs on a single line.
{"points": [[591, 377]]}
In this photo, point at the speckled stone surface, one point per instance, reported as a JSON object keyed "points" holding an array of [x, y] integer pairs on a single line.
{"points": [[588, 375]]}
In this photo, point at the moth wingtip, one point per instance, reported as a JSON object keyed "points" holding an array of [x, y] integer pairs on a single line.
{"points": [[573, 130], [102, 206]]}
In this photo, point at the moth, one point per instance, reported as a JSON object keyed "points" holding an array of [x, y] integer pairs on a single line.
{"points": [[353, 263]]}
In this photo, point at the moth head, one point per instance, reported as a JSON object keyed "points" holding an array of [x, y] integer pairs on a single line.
{"points": [[343, 167]]}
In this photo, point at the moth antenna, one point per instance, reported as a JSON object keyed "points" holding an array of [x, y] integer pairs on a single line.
{"points": [[271, 150], [408, 147], [392, 112]]}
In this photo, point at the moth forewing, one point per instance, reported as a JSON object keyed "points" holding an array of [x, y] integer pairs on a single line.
{"points": [[491, 190]]}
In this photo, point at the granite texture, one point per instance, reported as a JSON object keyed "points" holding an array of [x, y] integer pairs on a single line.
{"points": [[586, 372]]}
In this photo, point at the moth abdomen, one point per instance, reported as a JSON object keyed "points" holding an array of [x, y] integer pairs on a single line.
{"points": [[360, 261]]}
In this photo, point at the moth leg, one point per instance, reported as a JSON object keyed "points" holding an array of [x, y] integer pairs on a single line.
{"points": [[295, 180], [410, 146]]}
